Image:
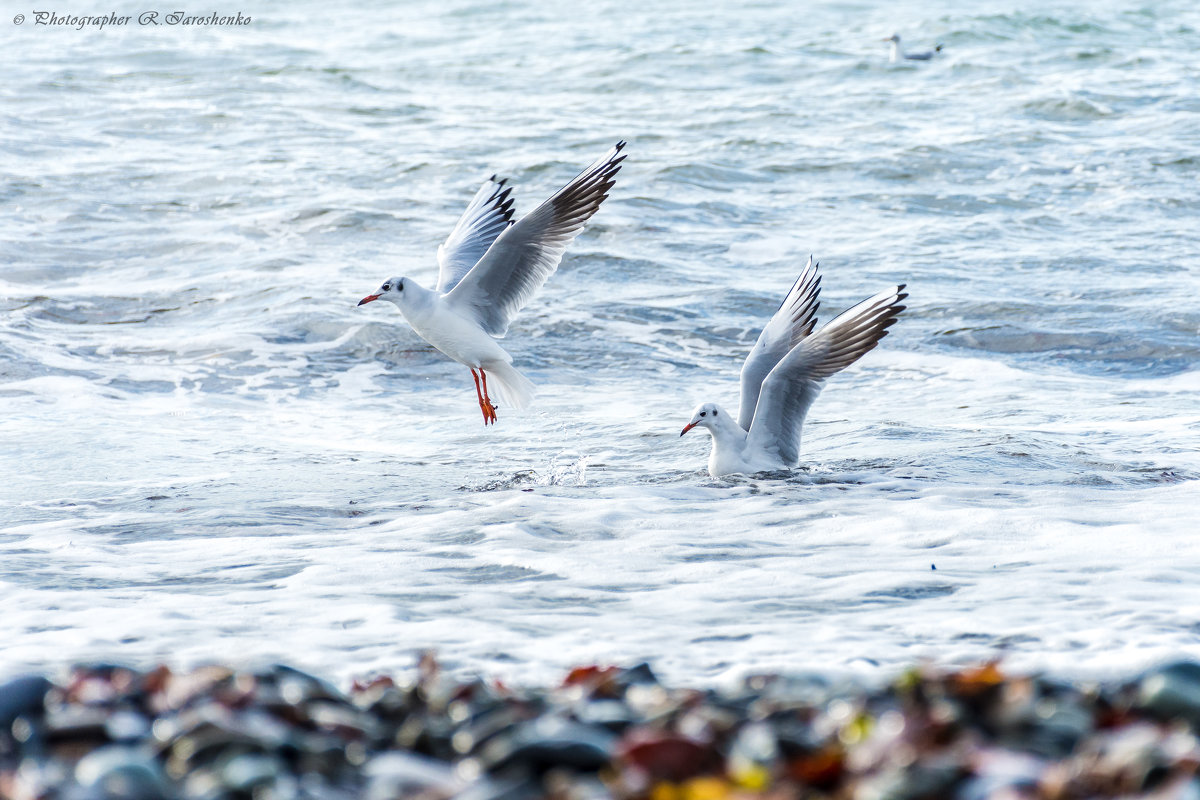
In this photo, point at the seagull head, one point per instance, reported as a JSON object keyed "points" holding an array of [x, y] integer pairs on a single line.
{"points": [[894, 38], [706, 415], [392, 289]]}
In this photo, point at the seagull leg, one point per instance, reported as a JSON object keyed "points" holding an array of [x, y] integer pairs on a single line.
{"points": [[488, 408], [479, 395]]}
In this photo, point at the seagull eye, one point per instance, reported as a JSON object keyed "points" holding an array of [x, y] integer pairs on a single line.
{"points": [[387, 286], [704, 413]]}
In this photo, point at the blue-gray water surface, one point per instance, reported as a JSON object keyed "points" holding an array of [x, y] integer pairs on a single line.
{"points": [[210, 452]]}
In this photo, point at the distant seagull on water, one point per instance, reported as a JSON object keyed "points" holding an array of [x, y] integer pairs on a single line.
{"points": [[489, 268], [898, 53]]}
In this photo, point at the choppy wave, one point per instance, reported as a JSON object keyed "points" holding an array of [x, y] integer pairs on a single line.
{"points": [[213, 453]]}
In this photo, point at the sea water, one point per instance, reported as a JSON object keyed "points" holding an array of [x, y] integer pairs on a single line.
{"points": [[209, 452]]}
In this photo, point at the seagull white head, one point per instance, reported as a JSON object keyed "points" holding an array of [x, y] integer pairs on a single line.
{"points": [[707, 415], [897, 53], [391, 290]]}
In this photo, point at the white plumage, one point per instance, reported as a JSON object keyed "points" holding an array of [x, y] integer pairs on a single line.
{"points": [[489, 268], [785, 371], [898, 53]]}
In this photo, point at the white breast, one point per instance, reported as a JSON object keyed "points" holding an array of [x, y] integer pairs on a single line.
{"points": [[456, 336]]}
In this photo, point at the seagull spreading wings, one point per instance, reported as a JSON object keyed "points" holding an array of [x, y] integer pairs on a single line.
{"points": [[489, 268], [784, 373]]}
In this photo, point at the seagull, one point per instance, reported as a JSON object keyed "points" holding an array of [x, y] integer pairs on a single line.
{"points": [[784, 373], [898, 53], [489, 268]]}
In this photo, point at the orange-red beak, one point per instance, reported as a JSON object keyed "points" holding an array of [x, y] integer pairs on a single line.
{"points": [[368, 299], [687, 428]]}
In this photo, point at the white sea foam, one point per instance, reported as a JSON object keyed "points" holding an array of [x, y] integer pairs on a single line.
{"points": [[211, 453]]}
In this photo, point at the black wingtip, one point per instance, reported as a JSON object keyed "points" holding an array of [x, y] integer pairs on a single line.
{"points": [[621, 145]]}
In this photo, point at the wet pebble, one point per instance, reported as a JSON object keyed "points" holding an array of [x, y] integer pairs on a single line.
{"points": [[1172, 692], [119, 772], [22, 696], [216, 733], [536, 746]]}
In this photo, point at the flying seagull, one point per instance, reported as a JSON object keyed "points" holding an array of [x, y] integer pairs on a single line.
{"points": [[489, 268]]}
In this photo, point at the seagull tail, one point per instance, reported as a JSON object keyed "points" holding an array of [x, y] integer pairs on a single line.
{"points": [[512, 388]]}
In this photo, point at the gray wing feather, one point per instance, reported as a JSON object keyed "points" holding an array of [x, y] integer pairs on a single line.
{"points": [[524, 255], [486, 217], [794, 320], [794, 383]]}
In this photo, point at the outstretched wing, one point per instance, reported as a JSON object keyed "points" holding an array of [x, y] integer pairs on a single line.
{"points": [[486, 217], [793, 321], [527, 253], [794, 383]]}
